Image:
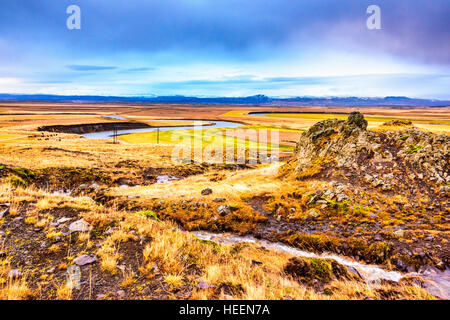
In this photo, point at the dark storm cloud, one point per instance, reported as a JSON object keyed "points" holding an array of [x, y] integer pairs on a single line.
{"points": [[412, 29]]}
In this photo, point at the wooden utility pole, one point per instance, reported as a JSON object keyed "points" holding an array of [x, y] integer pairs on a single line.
{"points": [[115, 135]]}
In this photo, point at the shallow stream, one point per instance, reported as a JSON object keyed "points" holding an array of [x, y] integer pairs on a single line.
{"points": [[436, 282]]}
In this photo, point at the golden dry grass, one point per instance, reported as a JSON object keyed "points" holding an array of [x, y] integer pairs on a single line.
{"points": [[232, 186], [302, 121], [12, 289], [171, 250]]}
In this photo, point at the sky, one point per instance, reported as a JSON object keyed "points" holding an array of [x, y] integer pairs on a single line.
{"points": [[280, 48]]}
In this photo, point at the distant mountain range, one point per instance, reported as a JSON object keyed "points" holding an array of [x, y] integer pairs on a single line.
{"points": [[251, 100]]}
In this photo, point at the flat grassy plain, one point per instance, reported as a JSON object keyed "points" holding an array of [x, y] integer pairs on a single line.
{"points": [[304, 120], [141, 251], [209, 138], [344, 117]]}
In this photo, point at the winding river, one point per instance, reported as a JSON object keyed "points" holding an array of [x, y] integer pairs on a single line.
{"points": [[209, 124]]}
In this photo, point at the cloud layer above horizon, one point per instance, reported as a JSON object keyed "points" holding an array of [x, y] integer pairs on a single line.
{"points": [[226, 48]]}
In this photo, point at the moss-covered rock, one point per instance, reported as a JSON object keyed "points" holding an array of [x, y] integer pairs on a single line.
{"points": [[311, 270], [18, 182]]}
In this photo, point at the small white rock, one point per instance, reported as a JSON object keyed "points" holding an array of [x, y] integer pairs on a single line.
{"points": [[80, 226]]}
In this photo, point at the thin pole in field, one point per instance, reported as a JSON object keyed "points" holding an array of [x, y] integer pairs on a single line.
{"points": [[114, 135]]}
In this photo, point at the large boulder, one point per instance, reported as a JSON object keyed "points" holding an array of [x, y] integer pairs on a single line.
{"points": [[309, 270], [80, 226], [387, 160], [357, 119], [334, 140]]}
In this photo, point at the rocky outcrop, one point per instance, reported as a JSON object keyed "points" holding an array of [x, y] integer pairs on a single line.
{"points": [[379, 196], [381, 159], [339, 139], [398, 123], [94, 127]]}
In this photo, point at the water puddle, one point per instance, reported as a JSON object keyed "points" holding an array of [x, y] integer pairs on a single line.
{"points": [[165, 179], [62, 193]]}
